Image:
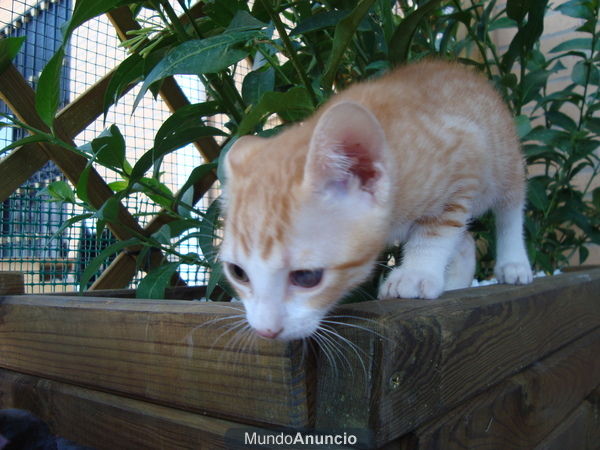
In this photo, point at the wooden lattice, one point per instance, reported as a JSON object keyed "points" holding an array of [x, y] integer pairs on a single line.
{"points": [[71, 120]]}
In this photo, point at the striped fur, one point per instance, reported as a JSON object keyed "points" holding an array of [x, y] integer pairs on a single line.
{"points": [[409, 158]]}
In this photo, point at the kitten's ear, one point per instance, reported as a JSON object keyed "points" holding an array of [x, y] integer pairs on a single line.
{"points": [[239, 154], [347, 150]]}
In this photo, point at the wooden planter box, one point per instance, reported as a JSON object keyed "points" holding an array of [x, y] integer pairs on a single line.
{"points": [[494, 367]]}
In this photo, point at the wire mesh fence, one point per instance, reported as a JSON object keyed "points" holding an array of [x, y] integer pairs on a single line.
{"points": [[29, 222]]}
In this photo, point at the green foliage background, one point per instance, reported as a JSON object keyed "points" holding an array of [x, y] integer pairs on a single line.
{"points": [[301, 52]]}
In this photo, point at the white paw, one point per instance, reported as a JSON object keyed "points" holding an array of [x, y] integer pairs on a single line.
{"points": [[514, 273], [412, 283]]}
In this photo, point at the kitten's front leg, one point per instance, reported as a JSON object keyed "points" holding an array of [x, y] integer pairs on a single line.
{"points": [[426, 255]]}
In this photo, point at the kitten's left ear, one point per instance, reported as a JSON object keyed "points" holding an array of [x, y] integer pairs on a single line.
{"points": [[347, 150]]}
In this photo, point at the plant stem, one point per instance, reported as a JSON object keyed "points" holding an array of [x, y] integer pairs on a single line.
{"points": [[175, 22], [291, 53], [186, 11]]}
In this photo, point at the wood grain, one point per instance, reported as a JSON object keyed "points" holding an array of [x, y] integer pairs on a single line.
{"points": [[18, 167], [572, 433], [164, 352], [434, 355], [522, 410], [11, 283], [107, 421]]}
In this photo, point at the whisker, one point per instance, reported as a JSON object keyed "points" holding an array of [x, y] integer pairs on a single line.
{"points": [[359, 327], [323, 345], [355, 348], [336, 351]]}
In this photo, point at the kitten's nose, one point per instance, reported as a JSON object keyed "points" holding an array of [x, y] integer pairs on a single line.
{"points": [[268, 333]]}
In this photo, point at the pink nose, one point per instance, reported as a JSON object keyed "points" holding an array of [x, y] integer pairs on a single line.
{"points": [[269, 334]]}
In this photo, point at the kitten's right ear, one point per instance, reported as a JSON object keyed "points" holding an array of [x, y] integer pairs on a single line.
{"points": [[239, 154], [348, 152]]}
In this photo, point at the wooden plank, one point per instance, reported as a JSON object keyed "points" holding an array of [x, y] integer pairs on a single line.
{"points": [[18, 167], [11, 283], [87, 107], [175, 353], [572, 433], [522, 410], [435, 355], [107, 421], [593, 428]]}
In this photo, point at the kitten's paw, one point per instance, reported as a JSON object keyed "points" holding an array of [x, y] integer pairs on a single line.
{"points": [[514, 272], [411, 283]]}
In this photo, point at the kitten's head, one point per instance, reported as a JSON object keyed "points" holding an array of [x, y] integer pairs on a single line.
{"points": [[306, 214]]}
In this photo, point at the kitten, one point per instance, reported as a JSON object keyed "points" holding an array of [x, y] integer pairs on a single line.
{"points": [[408, 158]]}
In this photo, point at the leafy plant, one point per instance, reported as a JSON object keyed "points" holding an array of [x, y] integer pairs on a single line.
{"points": [[300, 53]]}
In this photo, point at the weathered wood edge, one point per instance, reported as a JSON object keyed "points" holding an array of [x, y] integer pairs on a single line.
{"points": [[166, 352], [521, 411], [12, 283], [426, 357], [107, 421]]}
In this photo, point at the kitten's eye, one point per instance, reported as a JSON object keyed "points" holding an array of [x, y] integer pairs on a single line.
{"points": [[238, 273], [306, 278]]}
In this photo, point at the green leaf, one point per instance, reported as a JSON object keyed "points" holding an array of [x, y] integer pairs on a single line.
{"points": [[320, 21], [178, 227], [580, 9], [24, 141], [199, 56], [9, 47], [70, 222], [583, 254], [48, 89], [95, 264], [82, 184], [168, 145], [189, 116], [244, 21], [256, 84], [403, 35], [292, 105], [502, 23], [109, 148], [118, 186], [129, 71], [573, 44], [344, 31], [159, 192], [85, 10], [523, 125], [584, 73], [596, 198], [592, 124], [153, 285], [532, 83], [224, 11], [536, 193], [215, 278], [60, 191], [197, 174], [206, 238], [109, 211], [562, 120]]}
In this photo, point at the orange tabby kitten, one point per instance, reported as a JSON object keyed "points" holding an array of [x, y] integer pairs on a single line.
{"points": [[408, 158]]}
